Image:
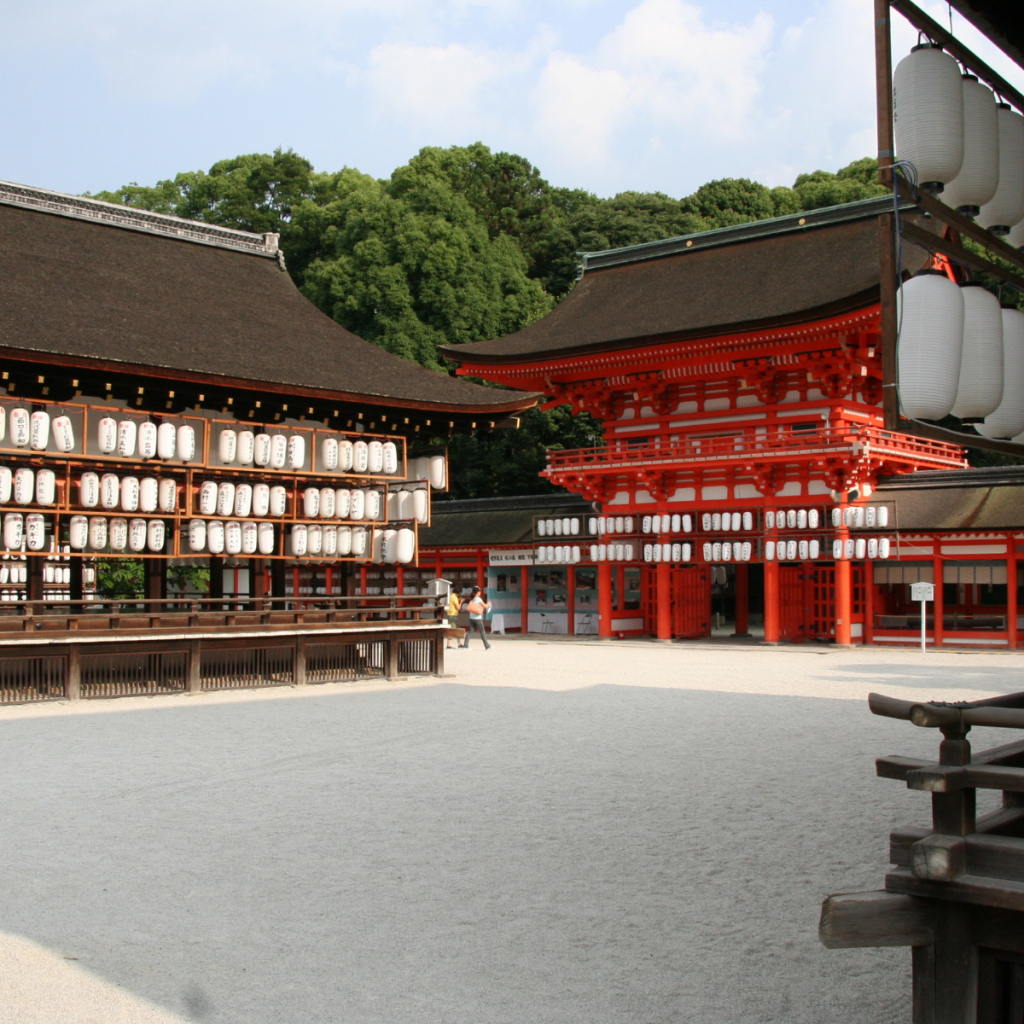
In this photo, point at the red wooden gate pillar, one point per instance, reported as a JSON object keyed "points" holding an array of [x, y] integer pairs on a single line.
{"points": [[604, 599], [742, 599], [664, 590], [844, 601], [938, 611], [1011, 591], [772, 612]]}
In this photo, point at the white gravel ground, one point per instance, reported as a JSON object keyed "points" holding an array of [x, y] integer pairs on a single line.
{"points": [[561, 832]]}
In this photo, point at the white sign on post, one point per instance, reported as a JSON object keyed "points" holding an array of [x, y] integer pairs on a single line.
{"points": [[923, 592]]}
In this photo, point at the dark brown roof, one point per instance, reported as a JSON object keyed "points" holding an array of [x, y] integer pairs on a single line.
{"points": [[990, 498], [495, 521], [772, 273], [90, 282]]}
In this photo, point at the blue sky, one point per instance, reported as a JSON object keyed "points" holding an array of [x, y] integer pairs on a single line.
{"points": [[635, 94]]}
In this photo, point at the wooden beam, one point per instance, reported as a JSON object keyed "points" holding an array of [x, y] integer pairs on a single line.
{"points": [[935, 243], [936, 433], [857, 919], [938, 34]]}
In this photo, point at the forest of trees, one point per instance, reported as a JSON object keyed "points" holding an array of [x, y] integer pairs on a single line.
{"points": [[461, 245]]}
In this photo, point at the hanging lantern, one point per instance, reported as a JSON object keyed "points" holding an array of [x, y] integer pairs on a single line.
{"points": [[243, 500], [260, 499], [716, 520], [296, 451], [63, 434], [342, 502], [769, 520], [227, 446], [78, 532], [803, 550], [215, 537], [168, 494], [360, 456], [980, 388], [344, 540], [156, 535], [345, 452], [687, 523], [278, 500], [35, 532], [106, 434], [438, 473], [928, 115], [860, 547], [976, 183], [390, 457], [1006, 208], [882, 516], [1008, 419], [848, 548], [557, 524], [186, 443], [812, 519], [737, 521], [769, 551], [592, 525], [716, 551], [266, 538], [357, 504], [602, 526], [166, 441], [208, 498], [726, 552], [542, 528], [870, 517], [147, 440], [746, 552], [801, 519], [791, 519], [149, 494], [326, 502], [372, 504], [375, 457], [117, 537], [574, 526], [930, 311], [225, 498], [261, 450], [748, 520], [130, 494], [708, 550], [137, 535], [883, 547], [791, 549], [837, 549], [278, 451], [46, 487], [314, 538], [3, 422], [872, 548], [648, 553], [7, 484], [14, 529], [25, 486], [98, 533], [127, 433], [330, 540]]}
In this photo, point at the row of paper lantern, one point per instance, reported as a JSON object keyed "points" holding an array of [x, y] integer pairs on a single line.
{"points": [[84, 531], [15, 572], [959, 353], [792, 519], [728, 551], [670, 552], [611, 552], [559, 554], [857, 516], [960, 141], [411, 502], [726, 521], [391, 545], [568, 526], [431, 468]]}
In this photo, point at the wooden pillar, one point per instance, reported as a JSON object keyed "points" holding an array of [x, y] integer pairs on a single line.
{"points": [[34, 587], [156, 578], [742, 599], [216, 576], [524, 598], [844, 601], [604, 599], [772, 616], [1011, 591], [73, 682], [938, 610], [277, 571], [391, 657], [76, 587], [664, 589], [194, 683], [570, 600], [299, 666]]}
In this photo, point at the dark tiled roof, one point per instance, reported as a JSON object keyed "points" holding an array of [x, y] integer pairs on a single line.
{"points": [[83, 280], [772, 273], [495, 521], [991, 498]]}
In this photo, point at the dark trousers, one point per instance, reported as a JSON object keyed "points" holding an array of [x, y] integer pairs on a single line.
{"points": [[476, 624]]}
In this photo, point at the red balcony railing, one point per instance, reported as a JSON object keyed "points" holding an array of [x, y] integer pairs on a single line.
{"points": [[781, 445]]}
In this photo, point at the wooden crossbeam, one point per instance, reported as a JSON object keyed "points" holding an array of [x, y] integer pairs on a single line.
{"points": [[935, 243]]}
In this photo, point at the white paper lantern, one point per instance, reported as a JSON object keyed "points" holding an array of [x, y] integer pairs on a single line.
{"points": [[883, 516], [657, 552], [314, 539], [372, 504], [620, 552], [405, 546], [278, 500], [186, 443], [243, 500], [330, 541], [360, 456], [837, 549], [63, 434], [557, 524], [716, 551], [620, 523], [837, 516], [345, 455], [357, 504], [801, 519], [7, 484], [14, 530], [883, 547], [117, 536], [3, 422], [769, 520], [35, 532], [976, 183], [748, 521], [707, 550], [746, 552], [931, 315], [261, 450], [343, 503], [225, 498], [278, 451], [137, 535], [227, 446], [390, 458], [813, 549], [566, 527], [106, 434], [166, 441], [147, 440], [24, 486], [421, 504], [260, 499], [860, 547], [127, 434], [687, 523], [168, 494], [1006, 208], [803, 550], [980, 389], [344, 540], [645, 524], [791, 519], [769, 550], [1008, 419], [296, 451], [311, 502], [266, 538], [149, 494], [215, 537], [374, 457], [872, 547], [46, 487], [737, 521], [858, 516], [812, 519], [648, 553], [928, 114], [98, 533], [791, 550], [737, 551], [326, 502], [848, 548], [574, 526], [716, 520], [438, 473], [130, 493], [542, 528], [329, 453], [156, 535], [208, 498]]}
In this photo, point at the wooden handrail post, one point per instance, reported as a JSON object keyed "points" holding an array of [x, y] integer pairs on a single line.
{"points": [[194, 681], [73, 679], [391, 657], [299, 665]]}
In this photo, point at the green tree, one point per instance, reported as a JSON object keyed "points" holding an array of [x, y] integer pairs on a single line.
{"points": [[729, 201], [120, 578], [630, 218]]}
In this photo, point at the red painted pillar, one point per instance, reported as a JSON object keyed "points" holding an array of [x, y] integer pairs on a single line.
{"points": [[1011, 591], [481, 570], [664, 588], [570, 600], [869, 602], [604, 598], [844, 600], [772, 618], [742, 599], [524, 598], [938, 612]]}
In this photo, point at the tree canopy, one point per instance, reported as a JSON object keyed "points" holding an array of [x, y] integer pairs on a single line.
{"points": [[458, 245]]}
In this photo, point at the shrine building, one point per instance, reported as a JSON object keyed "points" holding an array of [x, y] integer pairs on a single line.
{"points": [[737, 375]]}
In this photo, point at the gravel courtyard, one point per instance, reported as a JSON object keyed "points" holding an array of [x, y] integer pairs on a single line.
{"points": [[558, 832]]}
